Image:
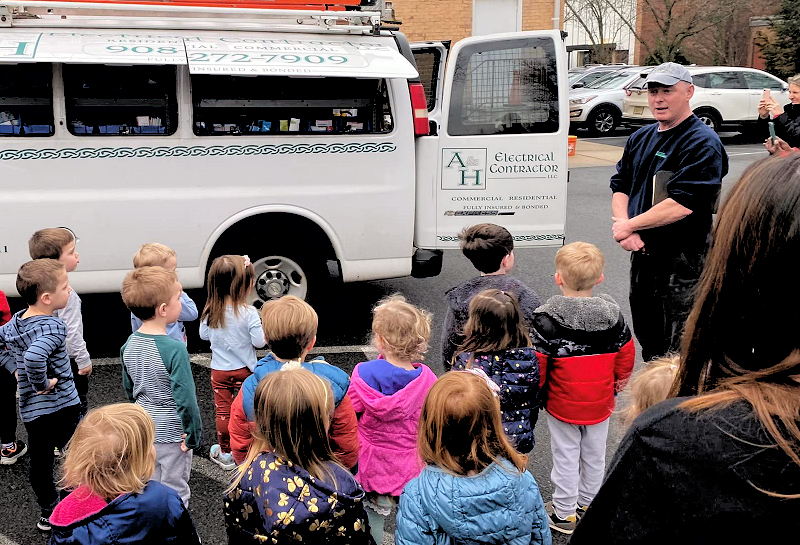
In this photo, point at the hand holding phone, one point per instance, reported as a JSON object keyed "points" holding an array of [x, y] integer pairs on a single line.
{"points": [[771, 126]]}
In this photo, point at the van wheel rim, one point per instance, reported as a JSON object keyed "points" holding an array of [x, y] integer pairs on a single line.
{"points": [[604, 122], [277, 276]]}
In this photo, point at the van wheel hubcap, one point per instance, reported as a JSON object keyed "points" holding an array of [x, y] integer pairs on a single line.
{"points": [[277, 276]]}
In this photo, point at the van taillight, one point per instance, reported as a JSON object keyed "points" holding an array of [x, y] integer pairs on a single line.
{"points": [[419, 108]]}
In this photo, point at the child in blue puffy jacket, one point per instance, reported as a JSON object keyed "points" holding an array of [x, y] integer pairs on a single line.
{"points": [[475, 488]]}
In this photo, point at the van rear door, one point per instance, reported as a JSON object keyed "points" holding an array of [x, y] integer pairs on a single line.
{"points": [[501, 152], [430, 58]]}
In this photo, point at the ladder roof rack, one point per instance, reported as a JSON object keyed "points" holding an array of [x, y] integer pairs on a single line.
{"points": [[258, 15]]}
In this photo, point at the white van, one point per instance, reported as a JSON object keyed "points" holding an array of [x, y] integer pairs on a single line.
{"points": [[302, 138]]}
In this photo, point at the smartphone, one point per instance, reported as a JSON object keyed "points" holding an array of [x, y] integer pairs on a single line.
{"points": [[766, 95], [771, 126]]}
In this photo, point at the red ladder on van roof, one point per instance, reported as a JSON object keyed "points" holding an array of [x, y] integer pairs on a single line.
{"points": [[335, 5], [349, 16]]}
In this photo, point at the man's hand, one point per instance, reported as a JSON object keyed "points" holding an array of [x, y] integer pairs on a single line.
{"points": [[621, 229], [780, 146], [51, 384], [633, 243], [86, 371], [183, 443]]}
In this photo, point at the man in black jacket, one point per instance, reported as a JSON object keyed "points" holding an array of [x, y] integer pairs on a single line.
{"points": [[664, 193]]}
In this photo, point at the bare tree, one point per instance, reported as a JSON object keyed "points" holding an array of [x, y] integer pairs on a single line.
{"points": [[672, 23], [603, 21]]}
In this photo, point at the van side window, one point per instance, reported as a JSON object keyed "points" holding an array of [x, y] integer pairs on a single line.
{"points": [[26, 99], [505, 88], [104, 100], [428, 61], [261, 105]]}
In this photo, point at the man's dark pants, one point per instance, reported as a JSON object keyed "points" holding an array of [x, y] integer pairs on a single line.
{"points": [[661, 297]]}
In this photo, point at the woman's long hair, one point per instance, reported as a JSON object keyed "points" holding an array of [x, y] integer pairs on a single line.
{"points": [[494, 324], [460, 427], [293, 410], [741, 340]]}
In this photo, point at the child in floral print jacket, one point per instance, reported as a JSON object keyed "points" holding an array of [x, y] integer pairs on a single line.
{"points": [[297, 491]]}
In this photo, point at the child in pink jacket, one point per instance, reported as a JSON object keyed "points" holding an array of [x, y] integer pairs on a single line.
{"points": [[387, 395]]}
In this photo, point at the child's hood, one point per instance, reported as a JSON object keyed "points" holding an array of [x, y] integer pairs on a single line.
{"points": [[81, 506], [584, 313], [499, 506], [19, 332], [405, 401], [77, 506], [338, 379]]}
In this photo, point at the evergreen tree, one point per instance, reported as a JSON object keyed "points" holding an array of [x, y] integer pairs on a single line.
{"points": [[781, 49]]}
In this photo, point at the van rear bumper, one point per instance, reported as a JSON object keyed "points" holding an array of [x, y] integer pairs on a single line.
{"points": [[426, 263]]}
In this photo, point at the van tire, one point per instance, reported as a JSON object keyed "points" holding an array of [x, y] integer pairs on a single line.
{"points": [[709, 117], [603, 120], [297, 266]]}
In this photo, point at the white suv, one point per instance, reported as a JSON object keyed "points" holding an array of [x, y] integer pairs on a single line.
{"points": [[598, 106], [724, 97]]}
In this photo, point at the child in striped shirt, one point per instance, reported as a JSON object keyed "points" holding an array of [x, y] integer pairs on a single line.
{"points": [[48, 401], [59, 243], [157, 375]]}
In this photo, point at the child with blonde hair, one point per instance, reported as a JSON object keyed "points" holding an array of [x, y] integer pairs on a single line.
{"points": [[388, 394], [586, 355], [155, 254], [157, 374], [291, 487], [475, 487], [234, 329], [650, 385], [108, 466], [497, 343]]}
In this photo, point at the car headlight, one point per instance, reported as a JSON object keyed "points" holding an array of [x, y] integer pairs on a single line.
{"points": [[582, 100]]}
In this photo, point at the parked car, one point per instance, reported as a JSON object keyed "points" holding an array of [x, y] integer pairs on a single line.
{"points": [[724, 97], [584, 76], [598, 106]]}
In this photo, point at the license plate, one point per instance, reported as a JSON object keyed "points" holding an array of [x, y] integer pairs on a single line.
{"points": [[638, 110]]}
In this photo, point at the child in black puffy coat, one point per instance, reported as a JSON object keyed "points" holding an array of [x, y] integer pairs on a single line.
{"points": [[497, 343]]}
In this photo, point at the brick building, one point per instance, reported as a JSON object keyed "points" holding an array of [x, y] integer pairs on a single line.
{"points": [[453, 19]]}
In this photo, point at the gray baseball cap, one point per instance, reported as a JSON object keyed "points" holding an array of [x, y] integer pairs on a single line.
{"points": [[668, 74]]}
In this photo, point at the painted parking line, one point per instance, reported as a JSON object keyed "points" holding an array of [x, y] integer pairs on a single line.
{"points": [[204, 360]]}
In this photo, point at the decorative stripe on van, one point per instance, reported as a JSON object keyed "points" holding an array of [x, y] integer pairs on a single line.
{"points": [[520, 238], [195, 151]]}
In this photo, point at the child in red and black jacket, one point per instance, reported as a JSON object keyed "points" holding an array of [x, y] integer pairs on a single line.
{"points": [[11, 449], [586, 355]]}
